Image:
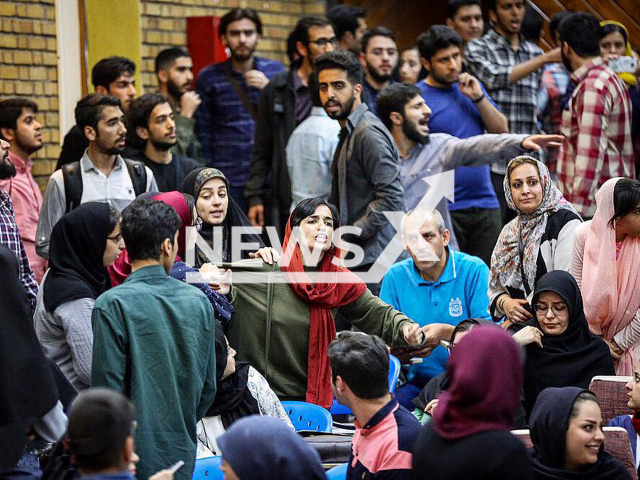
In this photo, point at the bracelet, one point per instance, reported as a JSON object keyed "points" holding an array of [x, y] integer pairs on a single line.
{"points": [[502, 300], [479, 99]]}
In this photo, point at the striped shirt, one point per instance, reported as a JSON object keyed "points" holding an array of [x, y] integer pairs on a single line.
{"points": [[597, 130], [223, 125]]}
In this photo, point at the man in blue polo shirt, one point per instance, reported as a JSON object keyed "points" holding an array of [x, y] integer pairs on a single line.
{"points": [[461, 107], [437, 286]]}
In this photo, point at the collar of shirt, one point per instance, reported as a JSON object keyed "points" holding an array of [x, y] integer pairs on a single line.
{"points": [[5, 200], [356, 116], [449, 273], [497, 38], [379, 416], [297, 82], [578, 75], [21, 165], [318, 112], [150, 271], [87, 164]]}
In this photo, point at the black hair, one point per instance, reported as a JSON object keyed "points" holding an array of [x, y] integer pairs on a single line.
{"points": [[437, 38], [100, 420], [107, 70], [308, 206], [586, 396], [394, 98], [314, 89], [342, 60], [492, 5], [556, 18], [362, 361], [167, 57], [376, 32], [146, 224], [138, 116], [578, 30], [626, 198], [463, 326], [454, 5], [613, 28], [88, 111], [292, 49], [11, 109], [531, 25], [114, 218], [236, 14], [191, 205], [345, 18], [301, 30]]}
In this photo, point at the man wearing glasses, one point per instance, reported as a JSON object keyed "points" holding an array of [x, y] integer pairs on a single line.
{"points": [[284, 104]]}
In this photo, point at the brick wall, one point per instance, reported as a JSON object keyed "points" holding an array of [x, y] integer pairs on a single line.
{"points": [[28, 69]]}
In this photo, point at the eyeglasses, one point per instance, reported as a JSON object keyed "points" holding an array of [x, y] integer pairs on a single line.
{"points": [[322, 42], [557, 308]]}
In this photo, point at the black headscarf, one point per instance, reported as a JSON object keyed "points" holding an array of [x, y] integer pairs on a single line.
{"points": [[76, 253], [233, 398], [549, 424], [192, 184], [570, 359], [28, 389]]}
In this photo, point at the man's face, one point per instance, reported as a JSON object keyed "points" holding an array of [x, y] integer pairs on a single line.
{"points": [[425, 243], [337, 94], [110, 136], [467, 22], [381, 58], [7, 170], [508, 16], [564, 54], [633, 390], [162, 127], [362, 27], [242, 39], [28, 136], [415, 125], [321, 40], [124, 88], [180, 77], [445, 66]]}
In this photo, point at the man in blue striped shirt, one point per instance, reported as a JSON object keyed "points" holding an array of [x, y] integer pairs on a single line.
{"points": [[230, 92]]}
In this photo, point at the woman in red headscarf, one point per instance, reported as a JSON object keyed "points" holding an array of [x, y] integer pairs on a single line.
{"points": [[283, 317]]}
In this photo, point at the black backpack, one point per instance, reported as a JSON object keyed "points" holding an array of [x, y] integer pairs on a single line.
{"points": [[73, 181]]}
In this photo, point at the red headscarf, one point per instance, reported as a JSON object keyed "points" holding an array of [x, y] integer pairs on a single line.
{"points": [[121, 268], [486, 382], [322, 297]]}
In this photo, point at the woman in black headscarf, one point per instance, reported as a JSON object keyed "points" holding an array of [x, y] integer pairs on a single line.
{"points": [[29, 396], [560, 349], [567, 437], [83, 244], [216, 208]]}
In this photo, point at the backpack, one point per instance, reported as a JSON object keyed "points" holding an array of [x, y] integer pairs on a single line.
{"points": [[73, 181]]}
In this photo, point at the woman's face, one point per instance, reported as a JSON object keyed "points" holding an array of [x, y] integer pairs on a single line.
{"points": [[213, 201], [584, 436], [526, 188], [410, 66], [231, 362], [552, 313], [317, 230], [114, 247], [630, 223], [612, 45]]}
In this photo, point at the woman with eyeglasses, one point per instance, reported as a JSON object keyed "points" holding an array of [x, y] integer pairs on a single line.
{"points": [[559, 348], [606, 264]]}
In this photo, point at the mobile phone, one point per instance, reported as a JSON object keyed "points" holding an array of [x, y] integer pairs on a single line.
{"points": [[624, 65], [176, 466]]}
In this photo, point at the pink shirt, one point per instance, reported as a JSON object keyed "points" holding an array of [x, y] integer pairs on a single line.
{"points": [[27, 201]]}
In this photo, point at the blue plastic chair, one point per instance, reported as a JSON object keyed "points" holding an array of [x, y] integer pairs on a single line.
{"points": [[208, 469], [337, 473], [394, 374], [307, 416]]}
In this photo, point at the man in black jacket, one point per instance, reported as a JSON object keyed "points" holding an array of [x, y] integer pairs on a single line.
{"points": [[284, 103]]}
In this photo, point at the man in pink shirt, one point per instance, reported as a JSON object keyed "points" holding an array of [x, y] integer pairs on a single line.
{"points": [[19, 127]]}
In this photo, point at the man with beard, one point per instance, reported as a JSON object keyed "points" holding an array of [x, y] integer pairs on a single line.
{"points": [[151, 129], [461, 107], [365, 170], [19, 127], [510, 68], [379, 58], [174, 70], [9, 233], [350, 23], [597, 125], [102, 175], [230, 91], [284, 104], [110, 76], [405, 113]]}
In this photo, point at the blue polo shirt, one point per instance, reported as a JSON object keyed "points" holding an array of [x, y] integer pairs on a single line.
{"points": [[454, 113], [460, 293]]}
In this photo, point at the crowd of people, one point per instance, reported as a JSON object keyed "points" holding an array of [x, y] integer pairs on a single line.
{"points": [[262, 234]]}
